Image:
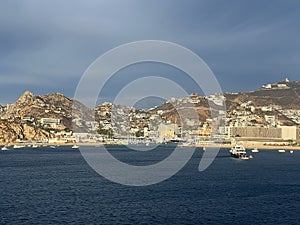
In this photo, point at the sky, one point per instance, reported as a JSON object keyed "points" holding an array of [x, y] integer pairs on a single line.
{"points": [[46, 46]]}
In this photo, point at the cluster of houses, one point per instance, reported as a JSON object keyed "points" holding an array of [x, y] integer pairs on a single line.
{"points": [[119, 124], [246, 121]]}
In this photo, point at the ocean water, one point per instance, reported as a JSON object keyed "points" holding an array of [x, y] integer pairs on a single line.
{"points": [[56, 186]]}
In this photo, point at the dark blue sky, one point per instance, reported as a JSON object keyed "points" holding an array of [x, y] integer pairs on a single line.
{"points": [[45, 46]]}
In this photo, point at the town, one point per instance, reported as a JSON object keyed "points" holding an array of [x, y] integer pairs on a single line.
{"points": [[267, 116]]}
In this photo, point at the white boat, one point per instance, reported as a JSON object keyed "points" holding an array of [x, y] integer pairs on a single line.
{"points": [[18, 146], [281, 150], [291, 151], [239, 151], [255, 150], [75, 146], [34, 146], [5, 148], [243, 157]]}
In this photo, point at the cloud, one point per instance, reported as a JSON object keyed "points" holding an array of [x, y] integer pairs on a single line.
{"points": [[51, 43]]}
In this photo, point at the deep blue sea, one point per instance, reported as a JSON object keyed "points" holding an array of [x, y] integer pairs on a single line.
{"points": [[57, 186]]}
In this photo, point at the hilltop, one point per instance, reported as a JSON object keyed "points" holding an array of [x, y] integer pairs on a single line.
{"points": [[270, 99], [285, 94], [22, 120]]}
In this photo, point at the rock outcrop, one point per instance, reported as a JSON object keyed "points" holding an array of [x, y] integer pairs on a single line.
{"points": [[10, 131], [14, 122]]}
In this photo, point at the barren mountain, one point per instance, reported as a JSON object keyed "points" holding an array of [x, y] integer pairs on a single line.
{"points": [[22, 119], [283, 94]]}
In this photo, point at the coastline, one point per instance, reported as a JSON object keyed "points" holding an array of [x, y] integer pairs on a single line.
{"points": [[248, 145], [258, 146]]}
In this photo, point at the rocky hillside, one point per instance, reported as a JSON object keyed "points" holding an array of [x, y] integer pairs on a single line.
{"points": [[284, 94], [47, 106], [22, 120], [169, 110], [12, 130]]}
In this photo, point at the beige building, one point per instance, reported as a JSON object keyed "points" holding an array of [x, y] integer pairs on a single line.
{"points": [[283, 132], [51, 122], [289, 132], [167, 131], [298, 133]]}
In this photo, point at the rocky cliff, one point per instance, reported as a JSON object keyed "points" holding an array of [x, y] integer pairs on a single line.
{"points": [[22, 120], [10, 131]]}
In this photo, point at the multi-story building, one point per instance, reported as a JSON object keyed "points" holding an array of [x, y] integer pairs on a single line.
{"points": [[50, 122]]}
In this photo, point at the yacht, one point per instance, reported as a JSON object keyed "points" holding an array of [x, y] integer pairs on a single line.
{"points": [[174, 142], [239, 151]]}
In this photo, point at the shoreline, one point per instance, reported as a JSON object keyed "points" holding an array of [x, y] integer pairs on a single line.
{"points": [[247, 145], [258, 146]]}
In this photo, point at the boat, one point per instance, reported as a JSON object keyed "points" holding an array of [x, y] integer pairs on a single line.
{"points": [[244, 157], [239, 151], [291, 151], [5, 148], [75, 146], [18, 146], [255, 150], [174, 142], [281, 150]]}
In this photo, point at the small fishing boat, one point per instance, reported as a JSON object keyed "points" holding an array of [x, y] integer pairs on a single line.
{"points": [[75, 146], [281, 150], [5, 148], [255, 150], [18, 146]]}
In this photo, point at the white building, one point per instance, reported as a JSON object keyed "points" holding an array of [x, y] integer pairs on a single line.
{"points": [[272, 120], [51, 122]]}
